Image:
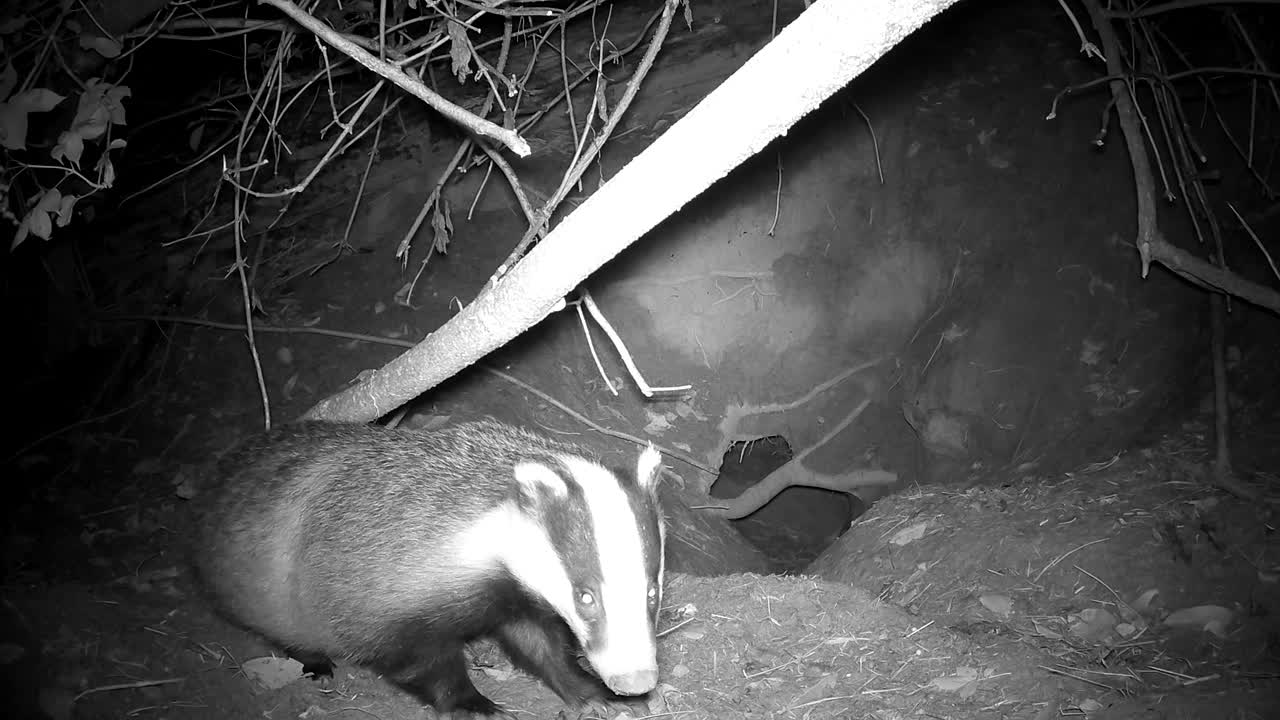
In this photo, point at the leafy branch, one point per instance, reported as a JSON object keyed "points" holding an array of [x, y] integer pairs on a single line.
{"points": [[41, 176]]}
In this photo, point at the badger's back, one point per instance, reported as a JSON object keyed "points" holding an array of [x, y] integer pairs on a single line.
{"points": [[322, 537]]}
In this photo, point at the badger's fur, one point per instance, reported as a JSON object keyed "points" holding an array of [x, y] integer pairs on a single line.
{"points": [[394, 548]]}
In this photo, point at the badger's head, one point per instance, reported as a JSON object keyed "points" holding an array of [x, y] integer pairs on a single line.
{"points": [[592, 547]]}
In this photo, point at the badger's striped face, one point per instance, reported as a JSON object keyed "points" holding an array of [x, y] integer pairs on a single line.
{"points": [[594, 550]]}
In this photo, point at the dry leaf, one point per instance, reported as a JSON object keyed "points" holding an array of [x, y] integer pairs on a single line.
{"points": [[1210, 618], [1001, 605], [442, 226], [1089, 706], [106, 47], [658, 424], [1093, 624], [823, 688], [272, 673], [963, 677], [909, 535], [183, 486], [459, 50], [1143, 603]]}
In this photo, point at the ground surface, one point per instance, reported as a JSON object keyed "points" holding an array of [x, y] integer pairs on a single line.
{"points": [[1082, 574], [1027, 599], [974, 594]]}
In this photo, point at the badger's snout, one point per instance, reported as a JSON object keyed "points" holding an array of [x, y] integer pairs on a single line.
{"points": [[633, 683], [628, 661]]}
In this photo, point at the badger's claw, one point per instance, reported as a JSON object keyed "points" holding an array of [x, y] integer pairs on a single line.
{"points": [[482, 711]]}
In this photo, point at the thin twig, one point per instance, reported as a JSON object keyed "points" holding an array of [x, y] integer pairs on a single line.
{"points": [[1064, 556], [875, 144], [777, 197], [403, 80], [126, 686], [575, 173], [1256, 241]]}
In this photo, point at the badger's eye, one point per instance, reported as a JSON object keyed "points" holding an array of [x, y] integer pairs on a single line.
{"points": [[588, 606], [587, 602]]}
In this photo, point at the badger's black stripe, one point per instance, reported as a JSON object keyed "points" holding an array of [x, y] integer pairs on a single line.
{"points": [[572, 531]]}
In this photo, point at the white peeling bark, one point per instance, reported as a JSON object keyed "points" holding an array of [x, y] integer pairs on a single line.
{"points": [[820, 52]]}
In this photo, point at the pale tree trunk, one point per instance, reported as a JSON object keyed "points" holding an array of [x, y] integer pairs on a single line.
{"points": [[820, 52]]}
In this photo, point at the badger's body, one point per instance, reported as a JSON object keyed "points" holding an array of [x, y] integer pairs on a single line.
{"points": [[394, 548]]}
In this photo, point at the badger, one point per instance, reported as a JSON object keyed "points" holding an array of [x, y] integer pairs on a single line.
{"points": [[393, 549]]}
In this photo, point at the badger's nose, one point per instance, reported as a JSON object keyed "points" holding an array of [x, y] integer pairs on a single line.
{"points": [[633, 683]]}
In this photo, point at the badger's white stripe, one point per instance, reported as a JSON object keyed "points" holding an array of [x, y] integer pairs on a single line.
{"points": [[506, 537], [534, 475], [648, 469], [626, 648]]}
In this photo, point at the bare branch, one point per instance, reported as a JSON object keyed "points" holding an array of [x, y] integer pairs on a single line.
{"points": [[403, 80]]}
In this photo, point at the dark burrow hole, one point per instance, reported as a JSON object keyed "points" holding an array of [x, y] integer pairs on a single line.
{"points": [[799, 523]]}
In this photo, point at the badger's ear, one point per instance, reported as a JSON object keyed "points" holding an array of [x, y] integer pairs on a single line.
{"points": [[649, 468], [534, 481]]}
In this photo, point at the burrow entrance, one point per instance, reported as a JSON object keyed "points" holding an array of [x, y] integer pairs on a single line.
{"points": [[799, 523]]}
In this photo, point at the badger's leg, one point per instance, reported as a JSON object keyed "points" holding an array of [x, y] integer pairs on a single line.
{"points": [[542, 648], [438, 677]]}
